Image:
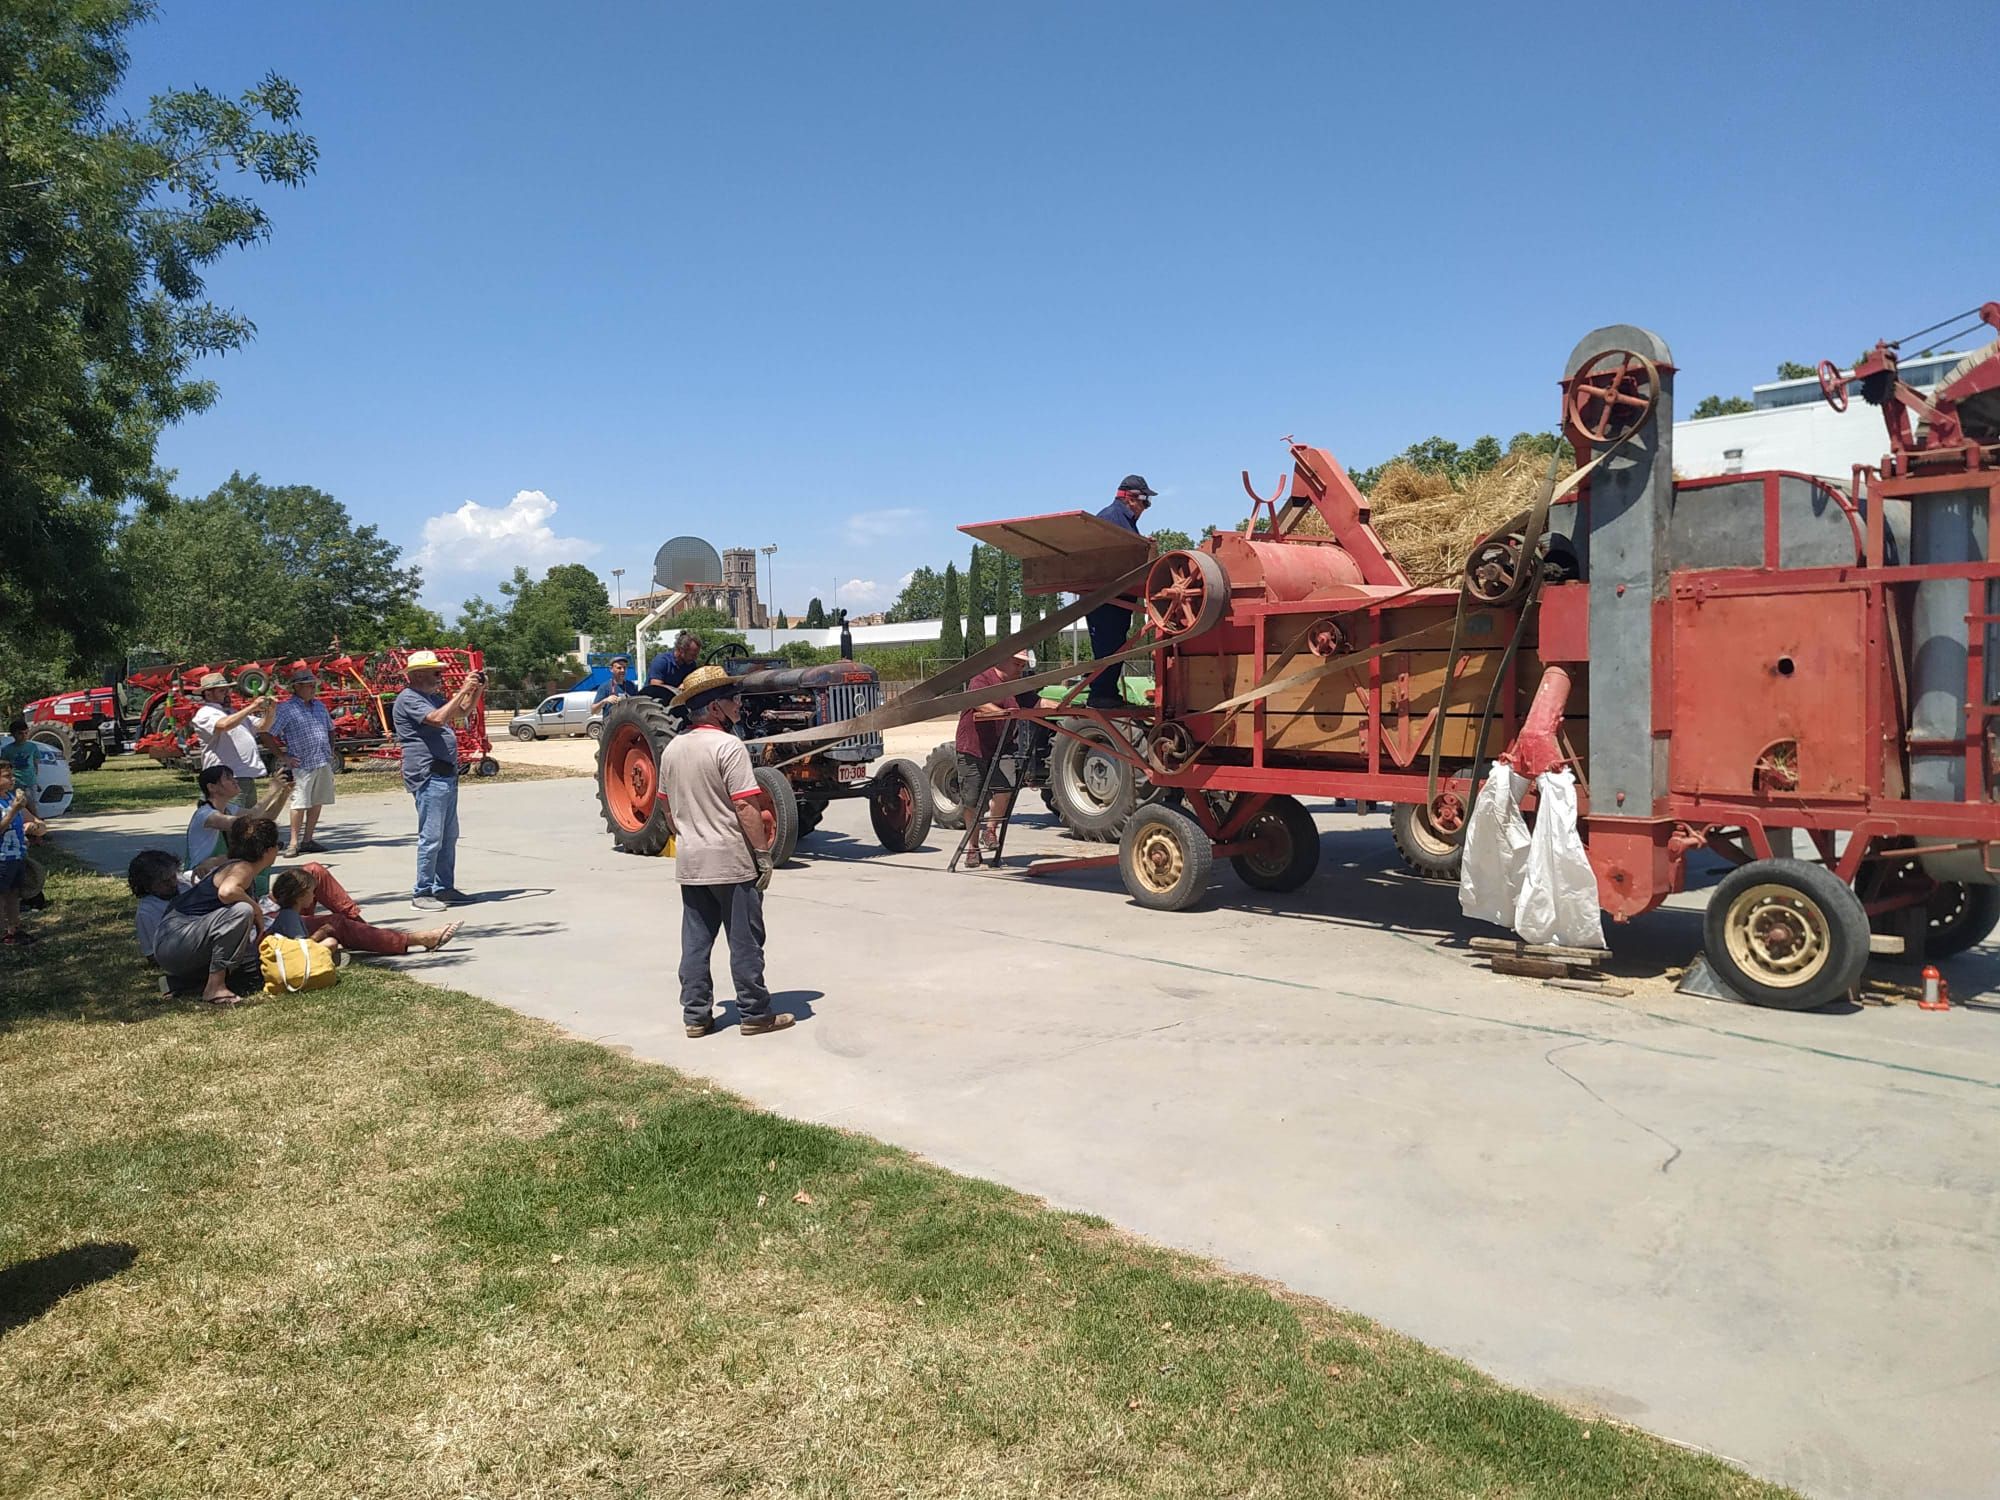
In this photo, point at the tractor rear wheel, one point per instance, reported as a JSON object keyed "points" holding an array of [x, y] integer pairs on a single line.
{"points": [[1165, 859], [899, 805], [785, 810], [941, 770], [636, 730], [1095, 790], [810, 814], [89, 756], [1425, 849], [1786, 934], [1284, 847], [1961, 916]]}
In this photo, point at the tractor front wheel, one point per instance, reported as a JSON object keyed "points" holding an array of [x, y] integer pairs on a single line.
{"points": [[1165, 859], [1786, 934], [947, 802], [899, 805], [785, 812]]}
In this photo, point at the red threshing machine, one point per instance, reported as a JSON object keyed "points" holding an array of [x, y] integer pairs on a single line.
{"points": [[1724, 662], [357, 689]]}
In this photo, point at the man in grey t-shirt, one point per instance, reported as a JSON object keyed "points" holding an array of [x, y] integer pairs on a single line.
{"points": [[721, 858], [422, 719]]}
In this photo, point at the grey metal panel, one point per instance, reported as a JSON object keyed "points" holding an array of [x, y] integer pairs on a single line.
{"points": [[1813, 531], [1943, 529], [1631, 498], [1719, 527]]}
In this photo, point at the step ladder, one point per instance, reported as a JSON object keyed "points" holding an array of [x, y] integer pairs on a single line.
{"points": [[977, 811]]}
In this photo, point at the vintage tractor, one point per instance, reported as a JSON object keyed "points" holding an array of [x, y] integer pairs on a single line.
{"points": [[1755, 664], [776, 697]]}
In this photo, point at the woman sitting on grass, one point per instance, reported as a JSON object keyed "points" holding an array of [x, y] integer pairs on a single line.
{"points": [[298, 894], [213, 927], [209, 827]]}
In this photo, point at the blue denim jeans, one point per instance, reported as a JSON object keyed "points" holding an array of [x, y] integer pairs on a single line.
{"points": [[437, 835]]}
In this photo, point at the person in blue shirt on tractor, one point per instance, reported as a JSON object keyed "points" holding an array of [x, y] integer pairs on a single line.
{"points": [[1111, 623], [669, 669], [621, 685]]}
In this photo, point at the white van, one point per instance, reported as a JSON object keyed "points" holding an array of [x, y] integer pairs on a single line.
{"points": [[565, 713]]}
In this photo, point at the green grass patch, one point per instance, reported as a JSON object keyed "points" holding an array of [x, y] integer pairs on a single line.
{"points": [[138, 783], [391, 1240]]}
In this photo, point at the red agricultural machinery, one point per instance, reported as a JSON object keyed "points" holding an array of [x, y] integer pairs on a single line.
{"points": [[149, 708], [1724, 663]]}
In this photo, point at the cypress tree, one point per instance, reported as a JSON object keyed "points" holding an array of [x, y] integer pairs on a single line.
{"points": [[951, 640], [975, 607], [1003, 603]]}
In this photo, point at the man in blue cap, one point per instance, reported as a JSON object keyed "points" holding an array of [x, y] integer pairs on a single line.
{"points": [[620, 685], [1111, 624]]}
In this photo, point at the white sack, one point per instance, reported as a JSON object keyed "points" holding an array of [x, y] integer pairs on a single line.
{"points": [[1558, 900], [1494, 866]]}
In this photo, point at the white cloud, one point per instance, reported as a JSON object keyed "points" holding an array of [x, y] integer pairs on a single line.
{"points": [[480, 538], [867, 526], [860, 591]]}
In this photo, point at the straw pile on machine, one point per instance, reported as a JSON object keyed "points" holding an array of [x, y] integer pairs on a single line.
{"points": [[1429, 524]]}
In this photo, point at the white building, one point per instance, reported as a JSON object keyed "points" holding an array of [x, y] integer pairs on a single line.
{"points": [[1793, 428]]}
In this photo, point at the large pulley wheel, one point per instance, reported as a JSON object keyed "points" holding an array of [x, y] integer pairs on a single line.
{"points": [[1611, 396], [1786, 934], [636, 730], [1493, 569], [1186, 594]]}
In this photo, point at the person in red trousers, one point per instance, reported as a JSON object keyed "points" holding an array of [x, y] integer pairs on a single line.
{"points": [[302, 891]]}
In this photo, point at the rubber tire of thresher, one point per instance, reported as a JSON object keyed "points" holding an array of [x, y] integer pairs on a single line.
{"points": [[1962, 916], [1840, 912], [647, 719], [1197, 857], [1423, 848], [941, 771], [901, 839], [1281, 818], [90, 753], [1082, 813], [522, 732], [486, 766], [785, 806]]}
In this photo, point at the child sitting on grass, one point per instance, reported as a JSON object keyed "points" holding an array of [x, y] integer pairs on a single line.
{"points": [[299, 892], [16, 823], [156, 877]]}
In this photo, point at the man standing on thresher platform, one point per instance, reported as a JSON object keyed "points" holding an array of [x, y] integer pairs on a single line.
{"points": [[669, 669], [230, 739], [981, 729], [721, 854], [307, 730], [1111, 624], [423, 717]]}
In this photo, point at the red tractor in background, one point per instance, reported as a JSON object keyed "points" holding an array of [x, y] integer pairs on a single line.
{"points": [[149, 706]]}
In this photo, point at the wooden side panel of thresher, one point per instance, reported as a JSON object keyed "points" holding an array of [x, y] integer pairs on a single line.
{"points": [[1329, 717]]}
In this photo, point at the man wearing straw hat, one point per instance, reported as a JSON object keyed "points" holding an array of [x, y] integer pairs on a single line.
{"points": [[422, 718], [230, 739], [721, 854]]}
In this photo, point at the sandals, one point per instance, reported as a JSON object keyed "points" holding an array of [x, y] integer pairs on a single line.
{"points": [[778, 1022]]}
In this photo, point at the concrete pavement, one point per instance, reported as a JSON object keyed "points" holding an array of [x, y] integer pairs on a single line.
{"points": [[1769, 1235]]}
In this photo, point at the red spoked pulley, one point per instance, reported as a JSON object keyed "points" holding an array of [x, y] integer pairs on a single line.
{"points": [[1186, 593], [1612, 395]]}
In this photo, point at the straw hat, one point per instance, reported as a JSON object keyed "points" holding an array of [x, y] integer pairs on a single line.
{"points": [[702, 680], [210, 681], [424, 661]]}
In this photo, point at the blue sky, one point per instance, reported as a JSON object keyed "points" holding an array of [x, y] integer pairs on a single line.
{"points": [[841, 277]]}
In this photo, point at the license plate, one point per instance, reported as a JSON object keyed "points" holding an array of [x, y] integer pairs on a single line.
{"points": [[853, 773]]}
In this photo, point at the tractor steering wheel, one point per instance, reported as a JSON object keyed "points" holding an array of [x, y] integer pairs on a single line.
{"points": [[1833, 385], [725, 651]]}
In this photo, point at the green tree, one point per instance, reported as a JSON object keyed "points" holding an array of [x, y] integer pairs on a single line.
{"points": [[975, 606], [204, 584], [1003, 605], [1721, 406], [1031, 610], [586, 602], [815, 614], [1791, 369], [107, 224], [1167, 539], [922, 598], [525, 639], [951, 637], [342, 581]]}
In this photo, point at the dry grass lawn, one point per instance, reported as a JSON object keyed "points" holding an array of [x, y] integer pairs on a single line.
{"points": [[133, 783], [388, 1240]]}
